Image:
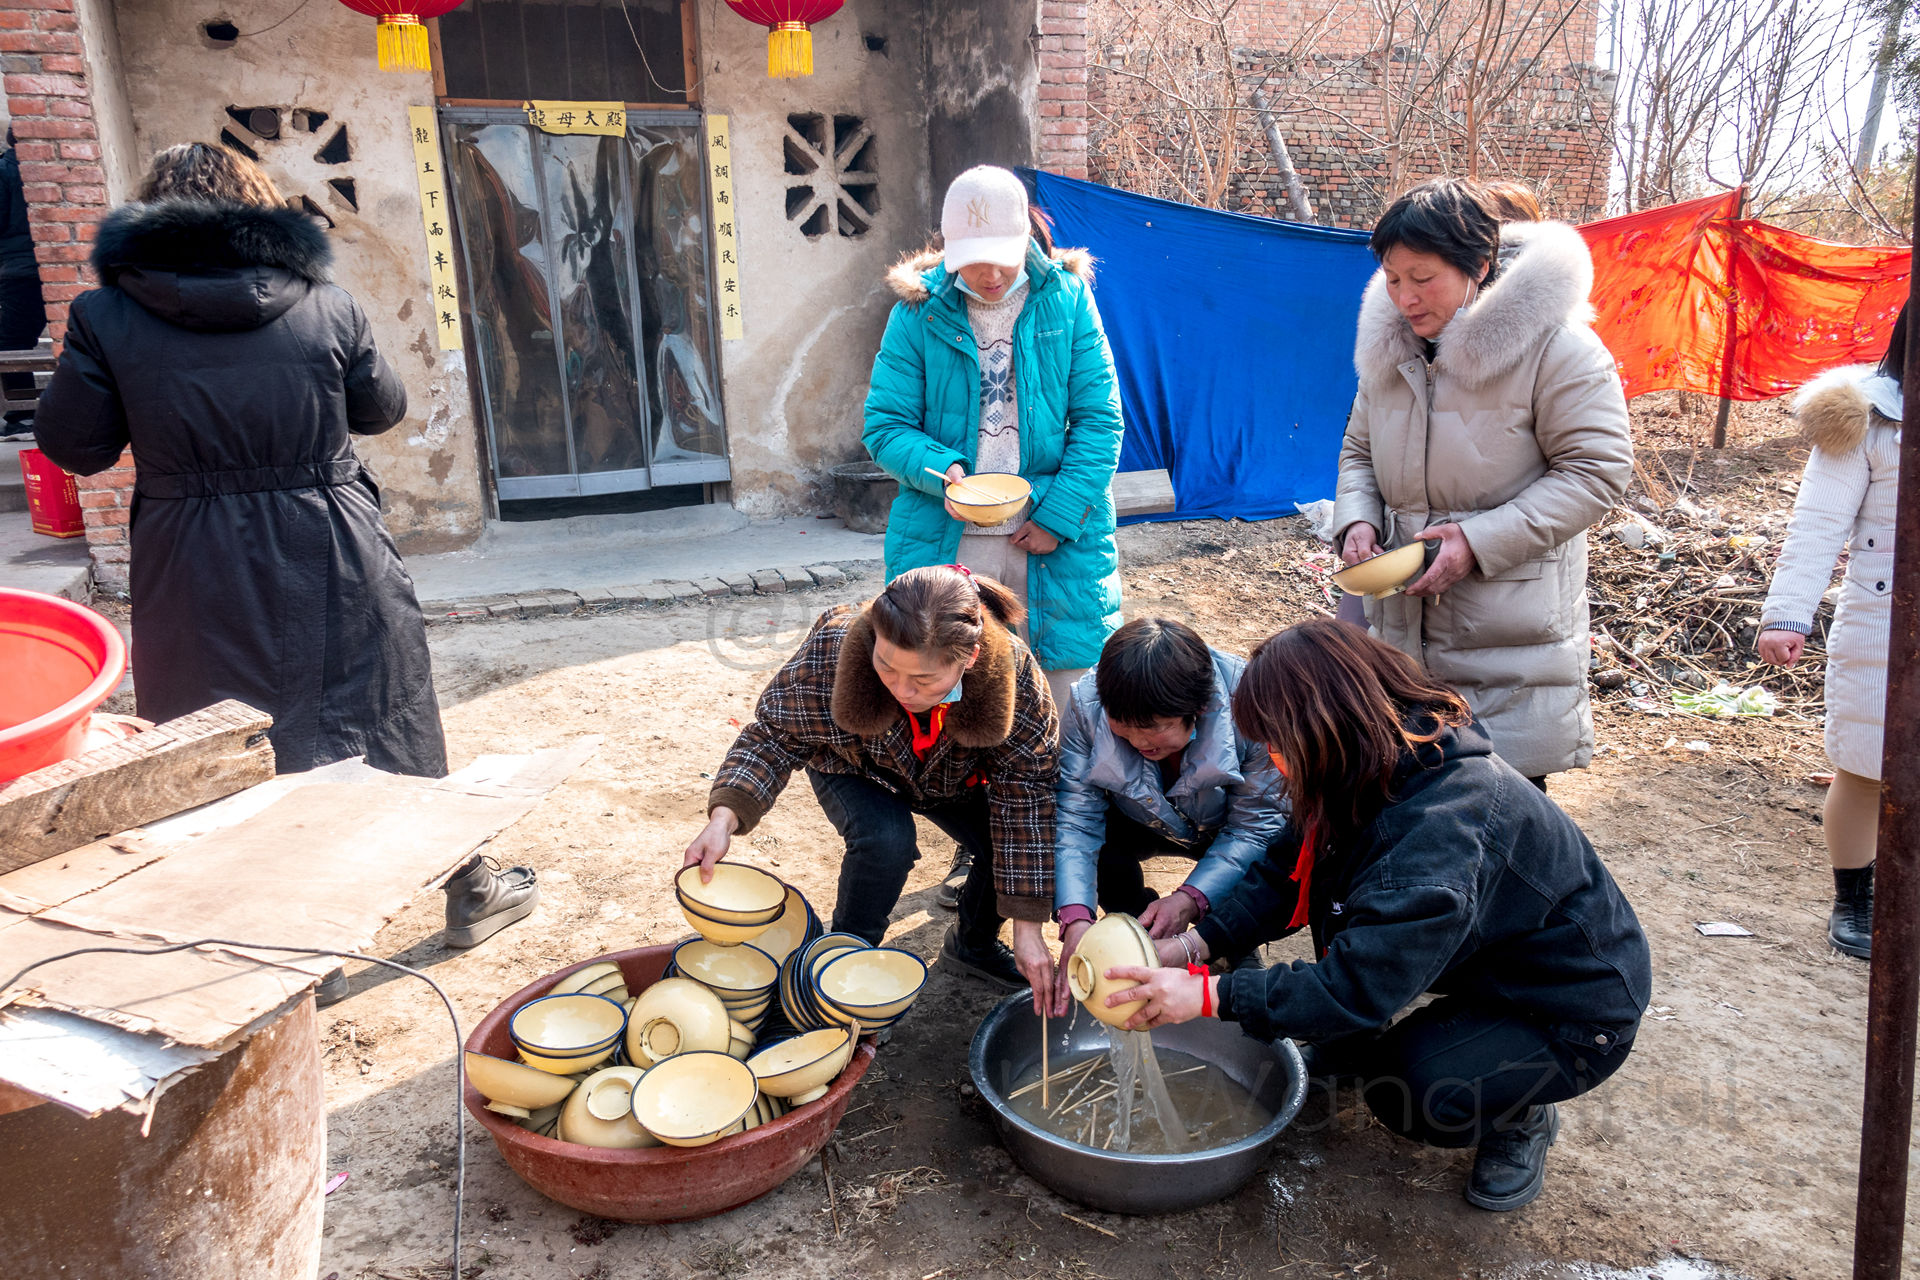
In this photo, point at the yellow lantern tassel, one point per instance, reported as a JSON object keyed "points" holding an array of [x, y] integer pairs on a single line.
{"points": [[403, 44], [789, 51]]}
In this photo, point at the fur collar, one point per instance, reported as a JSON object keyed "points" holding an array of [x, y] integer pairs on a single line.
{"points": [[1833, 409], [1544, 283], [916, 276], [982, 718], [199, 235]]}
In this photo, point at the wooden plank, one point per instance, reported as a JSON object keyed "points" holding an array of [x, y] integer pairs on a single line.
{"points": [[1142, 493], [690, 50], [153, 774]]}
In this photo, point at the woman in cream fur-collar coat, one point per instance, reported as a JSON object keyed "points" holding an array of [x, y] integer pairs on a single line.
{"points": [[1846, 500], [1502, 438]]}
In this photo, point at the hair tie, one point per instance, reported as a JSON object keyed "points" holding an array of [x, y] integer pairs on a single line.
{"points": [[962, 570]]}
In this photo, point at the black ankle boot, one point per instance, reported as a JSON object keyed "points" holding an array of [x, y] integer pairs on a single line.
{"points": [[1511, 1166], [482, 900], [1850, 927]]}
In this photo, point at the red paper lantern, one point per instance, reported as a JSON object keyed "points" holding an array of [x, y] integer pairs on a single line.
{"points": [[403, 34], [789, 40]]}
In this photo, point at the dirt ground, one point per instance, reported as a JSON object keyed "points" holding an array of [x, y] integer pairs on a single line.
{"points": [[1725, 1147]]}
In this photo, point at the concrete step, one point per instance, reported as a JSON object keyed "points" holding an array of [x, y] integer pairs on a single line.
{"points": [[13, 485]]}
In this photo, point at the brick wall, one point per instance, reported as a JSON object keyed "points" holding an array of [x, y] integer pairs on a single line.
{"points": [[1329, 73], [50, 98], [1063, 87]]}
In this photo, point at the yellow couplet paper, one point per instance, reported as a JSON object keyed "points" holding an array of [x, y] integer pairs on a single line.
{"points": [[607, 118], [726, 259], [433, 216]]}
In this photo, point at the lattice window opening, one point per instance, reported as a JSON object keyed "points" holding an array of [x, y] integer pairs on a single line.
{"points": [[301, 154], [836, 157]]}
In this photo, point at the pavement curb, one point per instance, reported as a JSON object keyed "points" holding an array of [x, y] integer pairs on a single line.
{"points": [[662, 592]]}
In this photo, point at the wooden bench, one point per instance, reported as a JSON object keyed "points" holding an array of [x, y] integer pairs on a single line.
{"points": [[38, 361], [1142, 493]]}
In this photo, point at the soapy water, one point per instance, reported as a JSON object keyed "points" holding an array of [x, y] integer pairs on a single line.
{"points": [[1137, 1099]]}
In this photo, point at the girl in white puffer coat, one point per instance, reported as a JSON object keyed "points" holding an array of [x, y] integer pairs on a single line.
{"points": [[1846, 499]]}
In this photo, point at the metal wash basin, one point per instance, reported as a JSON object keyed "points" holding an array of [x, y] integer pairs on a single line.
{"points": [[1007, 1046]]}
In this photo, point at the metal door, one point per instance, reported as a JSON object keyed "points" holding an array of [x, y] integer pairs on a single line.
{"points": [[588, 282]]}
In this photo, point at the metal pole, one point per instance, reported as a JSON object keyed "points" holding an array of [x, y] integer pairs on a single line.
{"points": [[1893, 985]]}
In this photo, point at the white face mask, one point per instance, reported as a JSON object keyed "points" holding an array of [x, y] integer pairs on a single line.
{"points": [[1019, 278]]}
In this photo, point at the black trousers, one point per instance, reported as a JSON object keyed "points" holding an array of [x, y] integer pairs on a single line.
{"points": [[1121, 881], [1453, 1072], [877, 826], [23, 318]]}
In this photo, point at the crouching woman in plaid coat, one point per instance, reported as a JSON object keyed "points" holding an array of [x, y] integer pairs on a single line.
{"points": [[922, 701]]}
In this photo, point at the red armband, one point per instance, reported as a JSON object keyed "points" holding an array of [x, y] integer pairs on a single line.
{"points": [[1206, 988]]}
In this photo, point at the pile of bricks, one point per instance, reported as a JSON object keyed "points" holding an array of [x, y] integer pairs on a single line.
{"points": [[535, 604]]}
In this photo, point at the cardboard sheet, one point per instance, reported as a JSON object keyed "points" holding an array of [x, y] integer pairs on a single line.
{"points": [[321, 859]]}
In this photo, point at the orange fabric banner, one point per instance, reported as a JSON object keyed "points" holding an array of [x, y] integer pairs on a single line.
{"points": [[1691, 298]]}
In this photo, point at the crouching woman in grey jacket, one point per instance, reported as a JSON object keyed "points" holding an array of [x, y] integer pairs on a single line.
{"points": [[1426, 864], [1151, 766]]}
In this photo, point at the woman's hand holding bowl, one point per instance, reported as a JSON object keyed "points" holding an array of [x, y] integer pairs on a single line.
{"points": [[955, 474], [1454, 562], [1169, 916], [1172, 995], [1362, 542], [1070, 936], [711, 844]]}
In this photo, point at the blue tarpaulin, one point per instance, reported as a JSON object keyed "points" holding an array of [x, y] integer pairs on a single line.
{"points": [[1233, 337]]}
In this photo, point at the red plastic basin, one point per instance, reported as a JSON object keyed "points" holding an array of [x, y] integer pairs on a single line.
{"points": [[657, 1184], [58, 661]]}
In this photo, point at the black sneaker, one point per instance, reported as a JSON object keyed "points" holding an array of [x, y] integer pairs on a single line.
{"points": [[1850, 926], [948, 894], [483, 899], [1511, 1167], [993, 964]]}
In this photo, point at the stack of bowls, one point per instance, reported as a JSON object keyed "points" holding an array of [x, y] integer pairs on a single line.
{"points": [[793, 928], [739, 904], [869, 986], [799, 1069], [742, 975], [839, 979], [569, 1033]]}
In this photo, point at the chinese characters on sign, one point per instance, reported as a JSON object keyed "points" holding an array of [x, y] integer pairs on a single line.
{"points": [[726, 264], [433, 216], [608, 118]]}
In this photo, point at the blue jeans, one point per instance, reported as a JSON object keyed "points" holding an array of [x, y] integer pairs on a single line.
{"points": [[877, 825]]}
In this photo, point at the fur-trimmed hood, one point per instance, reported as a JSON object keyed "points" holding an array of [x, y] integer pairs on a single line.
{"points": [[921, 274], [982, 718], [211, 265], [199, 235], [1544, 283], [1834, 410]]}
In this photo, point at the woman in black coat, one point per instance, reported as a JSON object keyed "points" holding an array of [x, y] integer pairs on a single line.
{"points": [[261, 568], [1422, 863]]}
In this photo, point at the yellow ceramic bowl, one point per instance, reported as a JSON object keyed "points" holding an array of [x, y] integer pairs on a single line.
{"points": [[873, 983], [1116, 940], [561, 1026], [740, 1040], [744, 972], [600, 1112], [694, 1098], [1009, 493], [675, 1016], [515, 1085], [1387, 573], [571, 1066], [747, 1014], [804, 1063], [788, 930], [545, 1121], [737, 894], [585, 976], [726, 935]]}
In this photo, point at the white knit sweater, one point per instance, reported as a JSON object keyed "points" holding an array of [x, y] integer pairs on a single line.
{"points": [[999, 446]]}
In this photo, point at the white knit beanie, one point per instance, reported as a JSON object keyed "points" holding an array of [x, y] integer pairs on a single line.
{"points": [[984, 219]]}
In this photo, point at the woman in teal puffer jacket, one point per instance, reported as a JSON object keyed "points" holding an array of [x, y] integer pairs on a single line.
{"points": [[943, 397]]}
